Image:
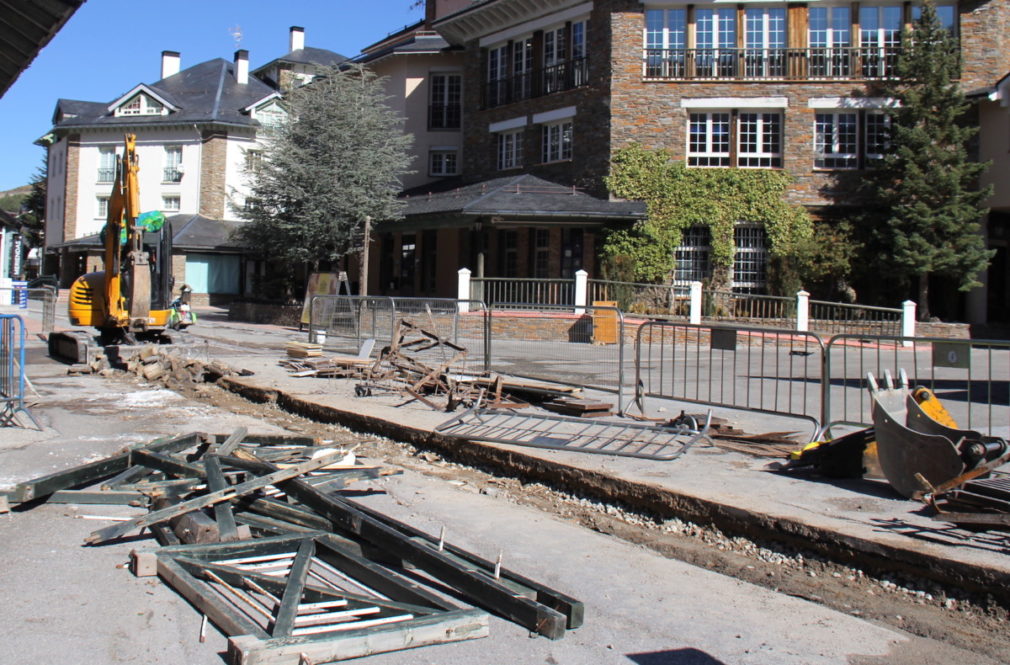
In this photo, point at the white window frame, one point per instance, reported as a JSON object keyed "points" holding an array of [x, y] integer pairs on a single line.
{"points": [[101, 207], [443, 162], [106, 164], [141, 104], [760, 157], [168, 200], [509, 148], [750, 258], [835, 146], [172, 172], [766, 37], [556, 144], [664, 39], [707, 155]]}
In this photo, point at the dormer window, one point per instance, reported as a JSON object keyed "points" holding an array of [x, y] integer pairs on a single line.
{"points": [[141, 105], [271, 116]]}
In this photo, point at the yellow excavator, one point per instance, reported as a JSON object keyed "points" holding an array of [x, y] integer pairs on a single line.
{"points": [[128, 302]]}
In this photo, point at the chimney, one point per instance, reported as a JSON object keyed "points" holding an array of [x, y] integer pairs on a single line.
{"points": [[242, 66], [297, 41], [169, 63]]}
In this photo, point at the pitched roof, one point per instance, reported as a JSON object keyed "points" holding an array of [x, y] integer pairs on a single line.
{"points": [[189, 232], [319, 57], [417, 42], [203, 93], [520, 196]]}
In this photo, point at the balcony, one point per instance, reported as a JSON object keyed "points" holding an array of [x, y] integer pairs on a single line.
{"points": [[790, 64], [106, 174], [566, 75], [172, 174]]}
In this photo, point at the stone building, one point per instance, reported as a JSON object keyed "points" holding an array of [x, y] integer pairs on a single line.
{"points": [[552, 89]]}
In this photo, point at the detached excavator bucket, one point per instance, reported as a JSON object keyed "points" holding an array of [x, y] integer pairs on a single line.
{"points": [[918, 440]]}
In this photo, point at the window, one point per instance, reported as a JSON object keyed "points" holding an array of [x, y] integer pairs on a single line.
{"points": [[445, 106], [557, 142], [836, 141], [408, 255], [760, 140], [878, 135], [170, 203], [271, 117], [253, 160], [141, 105], [497, 75], [750, 258], [579, 65], [665, 42], [541, 252], [879, 38], [693, 255], [765, 42], [173, 164], [510, 150], [571, 252], [442, 162], [946, 13], [709, 139], [106, 164], [509, 244], [830, 40], [554, 60], [522, 68], [102, 207], [716, 42]]}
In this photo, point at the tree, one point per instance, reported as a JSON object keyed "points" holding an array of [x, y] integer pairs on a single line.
{"points": [[33, 217], [925, 206], [337, 160]]}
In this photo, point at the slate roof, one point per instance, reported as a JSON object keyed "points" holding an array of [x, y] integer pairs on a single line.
{"points": [[409, 40], [203, 93], [189, 233], [521, 196], [319, 57]]}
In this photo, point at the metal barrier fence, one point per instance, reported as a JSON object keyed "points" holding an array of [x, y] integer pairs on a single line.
{"points": [[12, 370], [524, 290], [720, 304], [40, 303], [343, 323], [971, 377], [641, 298], [832, 318], [579, 345], [776, 372]]}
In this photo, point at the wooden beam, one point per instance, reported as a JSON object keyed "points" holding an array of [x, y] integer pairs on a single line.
{"points": [[222, 511], [204, 599], [210, 499], [232, 441], [167, 464], [284, 621], [87, 474]]}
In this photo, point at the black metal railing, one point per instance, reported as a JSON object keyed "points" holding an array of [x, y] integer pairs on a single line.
{"points": [[863, 62], [566, 75]]}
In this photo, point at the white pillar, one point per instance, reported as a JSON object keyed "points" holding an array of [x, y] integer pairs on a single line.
{"points": [[463, 290], [581, 288], [802, 311], [907, 321], [695, 315]]}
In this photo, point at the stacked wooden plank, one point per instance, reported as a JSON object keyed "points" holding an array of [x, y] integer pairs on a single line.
{"points": [[582, 408], [254, 531], [303, 349]]}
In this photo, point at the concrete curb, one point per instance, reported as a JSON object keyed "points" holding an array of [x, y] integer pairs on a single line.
{"points": [[649, 499]]}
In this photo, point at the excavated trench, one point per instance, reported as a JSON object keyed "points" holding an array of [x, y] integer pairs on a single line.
{"points": [[963, 605]]}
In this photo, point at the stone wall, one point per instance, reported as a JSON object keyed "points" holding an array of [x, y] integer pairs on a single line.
{"points": [[251, 312], [213, 170]]}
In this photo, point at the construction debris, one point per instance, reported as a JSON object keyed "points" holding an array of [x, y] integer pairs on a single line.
{"points": [[256, 535]]}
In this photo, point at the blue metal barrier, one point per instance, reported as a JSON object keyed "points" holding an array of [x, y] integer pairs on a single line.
{"points": [[12, 371]]}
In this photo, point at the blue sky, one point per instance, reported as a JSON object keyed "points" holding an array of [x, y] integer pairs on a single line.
{"points": [[109, 46]]}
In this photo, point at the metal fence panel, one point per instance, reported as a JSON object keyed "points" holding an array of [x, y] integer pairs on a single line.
{"points": [[12, 370], [582, 346], [971, 377], [641, 298], [343, 323], [832, 318], [523, 289], [36, 303], [777, 372]]}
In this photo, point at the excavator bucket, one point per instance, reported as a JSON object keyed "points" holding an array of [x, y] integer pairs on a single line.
{"points": [[918, 443]]}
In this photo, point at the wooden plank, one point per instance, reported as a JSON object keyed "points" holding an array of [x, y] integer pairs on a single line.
{"points": [[167, 464], [285, 511], [229, 444], [422, 631], [222, 511], [205, 600], [292, 598], [87, 474], [210, 499], [480, 588], [130, 475], [270, 525]]}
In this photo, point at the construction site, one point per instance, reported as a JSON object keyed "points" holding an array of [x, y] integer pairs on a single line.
{"points": [[407, 475]]}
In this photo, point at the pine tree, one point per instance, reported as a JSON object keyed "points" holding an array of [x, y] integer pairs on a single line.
{"points": [[337, 160], [926, 206]]}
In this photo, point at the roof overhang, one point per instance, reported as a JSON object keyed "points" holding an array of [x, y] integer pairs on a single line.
{"points": [[26, 27], [494, 16], [147, 90], [260, 102]]}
